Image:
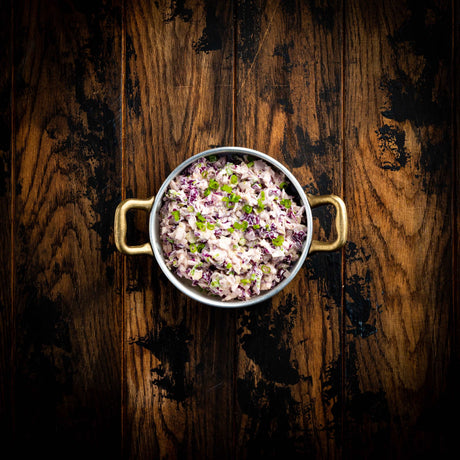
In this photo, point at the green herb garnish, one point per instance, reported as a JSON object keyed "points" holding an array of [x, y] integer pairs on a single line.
{"points": [[278, 241], [286, 203], [200, 217], [234, 179], [265, 269], [213, 184], [201, 225], [260, 206], [226, 188], [176, 215], [247, 209], [234, 198]]}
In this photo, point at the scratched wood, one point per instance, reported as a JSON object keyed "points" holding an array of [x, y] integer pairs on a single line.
{"points": [[399, 264], [288, 104], [178, 355], [6, 314], [452, 394], [67, 185], [456, 183], [99, 353]]}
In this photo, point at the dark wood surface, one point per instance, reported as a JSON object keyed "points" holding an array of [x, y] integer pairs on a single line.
{"points": [[100, 354]]}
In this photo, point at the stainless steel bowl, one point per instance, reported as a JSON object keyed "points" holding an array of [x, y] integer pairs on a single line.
{"points": [[154, 247]]}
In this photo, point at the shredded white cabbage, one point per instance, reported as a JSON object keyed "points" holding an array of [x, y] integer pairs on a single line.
{"points": [[228, 225]]}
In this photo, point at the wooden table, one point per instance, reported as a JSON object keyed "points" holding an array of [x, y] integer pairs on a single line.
{"points": [[101, 354]]}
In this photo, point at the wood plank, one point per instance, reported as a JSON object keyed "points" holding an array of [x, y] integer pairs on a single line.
{"points": [[6, 314], [178, 353], [453, 378], [68, 172], [456, 171], [288, 105], [398, 185]]}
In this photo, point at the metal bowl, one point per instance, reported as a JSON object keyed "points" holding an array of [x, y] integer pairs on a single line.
{"points": [[154, 247]]}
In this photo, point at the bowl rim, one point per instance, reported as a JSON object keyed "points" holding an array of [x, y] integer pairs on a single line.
{"points": [[180, 283]]}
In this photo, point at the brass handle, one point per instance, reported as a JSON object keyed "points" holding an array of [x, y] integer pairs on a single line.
{"points": [[341, 222], [121, 226]]}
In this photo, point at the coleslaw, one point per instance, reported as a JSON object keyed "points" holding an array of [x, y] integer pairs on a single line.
{"points": [[229, 226]]}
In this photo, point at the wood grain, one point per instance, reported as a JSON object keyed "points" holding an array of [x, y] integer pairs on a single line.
{"points": [[456, 174], [67, 299], [399, 264], [100, 354], [454, 364], [288, 104], [178, 353], [6, 313]]}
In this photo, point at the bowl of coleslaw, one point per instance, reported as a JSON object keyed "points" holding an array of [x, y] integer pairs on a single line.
{"points": [[230, 227]]}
